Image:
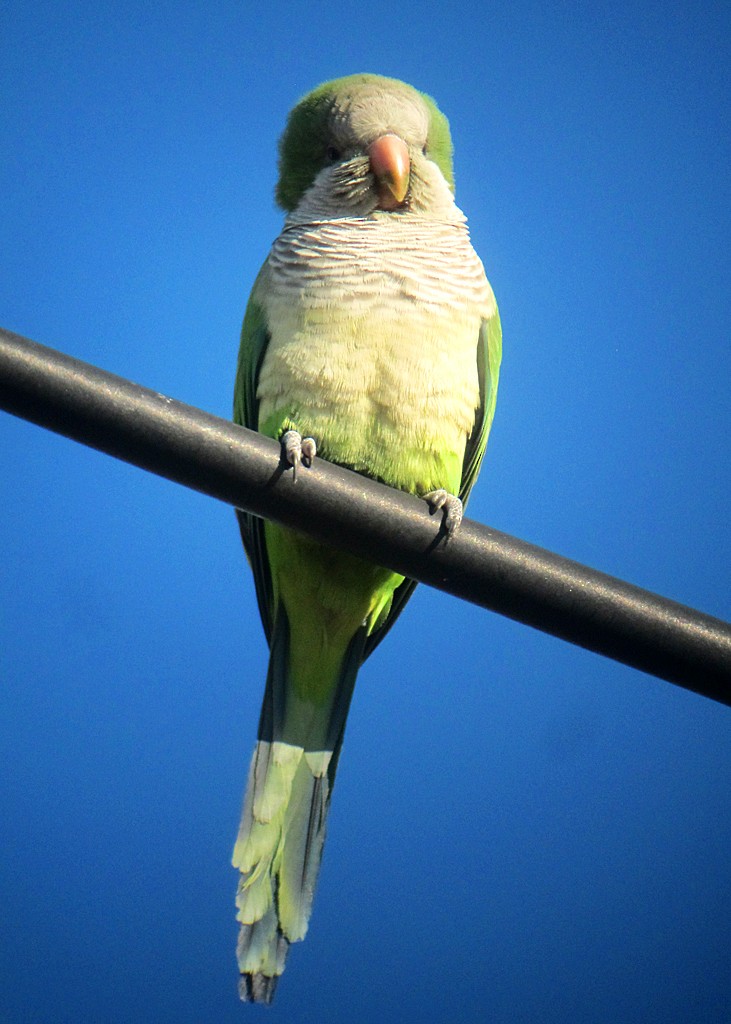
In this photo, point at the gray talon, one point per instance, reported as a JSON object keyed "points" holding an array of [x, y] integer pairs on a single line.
{"points": [[309, 450], [452, 506], [298, 450]]}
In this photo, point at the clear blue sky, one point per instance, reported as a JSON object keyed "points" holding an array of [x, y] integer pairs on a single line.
{"points": [[521, 831]]}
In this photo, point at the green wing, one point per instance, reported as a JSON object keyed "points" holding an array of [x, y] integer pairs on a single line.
{"points": [[489, 355], [254, 341]]}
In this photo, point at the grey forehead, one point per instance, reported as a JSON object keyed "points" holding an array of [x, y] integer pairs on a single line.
{"points": [[372, 111]]}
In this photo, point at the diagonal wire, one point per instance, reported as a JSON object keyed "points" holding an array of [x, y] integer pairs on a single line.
{"points": [[349, 511]]}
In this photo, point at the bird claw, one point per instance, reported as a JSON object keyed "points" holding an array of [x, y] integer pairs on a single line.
{"points": [[452, 506], [298, 450]]}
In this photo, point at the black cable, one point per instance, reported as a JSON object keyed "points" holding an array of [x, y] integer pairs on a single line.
{"points": [[348, 511]]}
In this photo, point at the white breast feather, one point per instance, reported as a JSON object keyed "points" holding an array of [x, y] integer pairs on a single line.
{"points": [[374, 326]]}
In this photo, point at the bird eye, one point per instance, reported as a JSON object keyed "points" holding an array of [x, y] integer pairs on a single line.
{"points": [[333, 154]]}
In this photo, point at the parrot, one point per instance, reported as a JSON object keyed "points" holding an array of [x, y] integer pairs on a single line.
{"points": [[371, 339]]}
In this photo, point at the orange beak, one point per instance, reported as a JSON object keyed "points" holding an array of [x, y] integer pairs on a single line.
{"points": [[391, 167]]}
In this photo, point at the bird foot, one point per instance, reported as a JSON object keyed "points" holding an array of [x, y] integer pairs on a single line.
{"points": [[452, 506], [298, 450]]}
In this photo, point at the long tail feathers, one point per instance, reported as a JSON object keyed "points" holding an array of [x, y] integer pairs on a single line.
{"points": [[283, 824], [278, 852]]}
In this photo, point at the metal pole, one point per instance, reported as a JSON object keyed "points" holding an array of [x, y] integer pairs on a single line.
{"points": [[349, 511]]}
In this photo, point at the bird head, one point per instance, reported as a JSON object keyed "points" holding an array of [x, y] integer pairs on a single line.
{"points": [[365, 146]]}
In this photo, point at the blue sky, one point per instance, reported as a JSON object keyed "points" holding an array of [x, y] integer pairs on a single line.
{"points": [[521, 831]]}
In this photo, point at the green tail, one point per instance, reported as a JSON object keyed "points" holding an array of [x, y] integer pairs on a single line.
{"points": [[283, 824]]}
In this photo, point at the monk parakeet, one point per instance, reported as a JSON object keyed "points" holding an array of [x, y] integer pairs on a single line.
{"points": [[371, 339]]}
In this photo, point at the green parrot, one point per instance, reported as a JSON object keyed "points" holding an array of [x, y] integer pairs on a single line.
{"points": [[372, 339]]}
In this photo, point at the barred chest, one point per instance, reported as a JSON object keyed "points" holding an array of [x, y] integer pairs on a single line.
{"points": [[374, 325]]}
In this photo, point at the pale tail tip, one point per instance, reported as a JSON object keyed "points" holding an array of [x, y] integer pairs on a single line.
{"points": [[257, 988]]}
